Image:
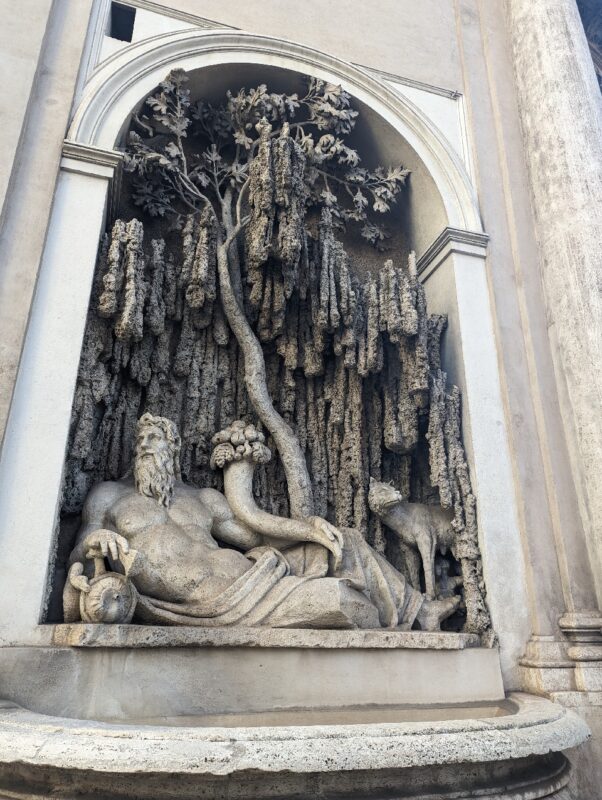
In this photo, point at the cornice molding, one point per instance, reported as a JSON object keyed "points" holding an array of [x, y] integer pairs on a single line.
{"points": [[95, 162], [451, 240], [452, 94], [89, 154]]}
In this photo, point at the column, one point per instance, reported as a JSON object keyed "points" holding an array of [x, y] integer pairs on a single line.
{"points": [[561, 115], [38, 425], [454, 273], [560, 109]]}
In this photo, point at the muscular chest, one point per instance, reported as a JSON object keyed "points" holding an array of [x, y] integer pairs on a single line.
{"points": [[136, 514]]}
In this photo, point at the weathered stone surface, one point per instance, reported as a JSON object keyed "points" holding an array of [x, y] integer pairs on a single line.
{"points": [[135, 636], [537, 727]]}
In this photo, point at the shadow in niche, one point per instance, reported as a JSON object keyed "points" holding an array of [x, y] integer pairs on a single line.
{"points": [[413, 222]]}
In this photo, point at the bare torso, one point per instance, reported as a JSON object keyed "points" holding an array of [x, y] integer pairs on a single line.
{"points": [[178, 558]]}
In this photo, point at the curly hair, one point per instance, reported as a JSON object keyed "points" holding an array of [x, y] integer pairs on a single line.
{"points": [[159, 480]]}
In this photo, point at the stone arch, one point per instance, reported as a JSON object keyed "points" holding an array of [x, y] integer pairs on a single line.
{"points": [[126, 78]]}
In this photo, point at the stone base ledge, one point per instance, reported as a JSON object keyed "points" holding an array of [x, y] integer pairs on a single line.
{"points": [[537, 726], [139, 636], [122, 682], [509, 755]]}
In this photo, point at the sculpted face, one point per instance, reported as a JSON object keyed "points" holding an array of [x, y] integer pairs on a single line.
{"points": [[156, 465], [382, 497]]}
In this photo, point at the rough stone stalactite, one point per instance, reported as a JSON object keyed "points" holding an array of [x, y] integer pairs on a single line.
{"points": [[353, 365]]}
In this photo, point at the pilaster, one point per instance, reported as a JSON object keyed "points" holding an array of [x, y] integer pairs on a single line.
{"points": [[561, 117], [31, 475]]}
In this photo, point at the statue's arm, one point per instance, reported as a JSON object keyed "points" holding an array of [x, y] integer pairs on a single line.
{"points": [[283, 529], [98, 531], [226, 528]]}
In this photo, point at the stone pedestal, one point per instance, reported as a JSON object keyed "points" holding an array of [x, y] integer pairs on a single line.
{"points": [[161, 672]]}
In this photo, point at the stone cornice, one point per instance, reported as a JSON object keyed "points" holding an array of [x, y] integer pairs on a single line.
{"points": [[391, 77], [95, 162], [451, 240], [145, 636], [91, 154]]}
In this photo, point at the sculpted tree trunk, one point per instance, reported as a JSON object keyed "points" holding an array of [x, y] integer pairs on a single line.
{"points": [[259, 141], [292, 457]]}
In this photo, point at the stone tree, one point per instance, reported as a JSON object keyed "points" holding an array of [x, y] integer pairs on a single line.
{"points": [[268, 159]]}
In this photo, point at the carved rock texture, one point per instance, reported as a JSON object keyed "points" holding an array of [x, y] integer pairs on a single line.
{"points": [[353, 366]]}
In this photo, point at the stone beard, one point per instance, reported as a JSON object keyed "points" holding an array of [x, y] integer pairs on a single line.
{"points": [[156, 463]]}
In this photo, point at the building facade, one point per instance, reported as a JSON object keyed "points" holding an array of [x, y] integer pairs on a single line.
{"points": [[496, 110]]}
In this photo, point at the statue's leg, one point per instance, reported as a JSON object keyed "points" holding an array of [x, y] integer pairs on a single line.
{"points": [[306, 559], [397, 602], [413, 564], [426, 548]]}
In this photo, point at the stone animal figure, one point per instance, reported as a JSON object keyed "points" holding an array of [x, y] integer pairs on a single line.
{"points": [[423, 530]]}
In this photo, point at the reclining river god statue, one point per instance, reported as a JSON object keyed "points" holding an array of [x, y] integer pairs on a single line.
{"points": [[180, 555]]}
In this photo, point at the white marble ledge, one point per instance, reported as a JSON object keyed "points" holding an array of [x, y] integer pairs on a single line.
{"points": [[141, 636], [537, 726]]}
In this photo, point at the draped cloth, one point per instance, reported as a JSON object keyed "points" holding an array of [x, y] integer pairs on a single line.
{"points": [[248, 601], [277, 591], [367, 571]]}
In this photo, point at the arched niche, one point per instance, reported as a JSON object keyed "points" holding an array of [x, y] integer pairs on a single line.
{"points": [[124, 80], [442, 224], [420, 214]]}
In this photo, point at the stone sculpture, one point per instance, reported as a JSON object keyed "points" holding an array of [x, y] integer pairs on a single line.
{"points": [[424, 530], [446, 583], [235, 298], [166, 536]]}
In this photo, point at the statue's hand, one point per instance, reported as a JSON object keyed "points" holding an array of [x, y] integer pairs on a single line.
{"points": [[76, 577], [104, 543], [327, 535]]}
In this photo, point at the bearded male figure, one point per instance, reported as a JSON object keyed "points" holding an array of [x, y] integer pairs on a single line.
{"points": [[196, 557]]}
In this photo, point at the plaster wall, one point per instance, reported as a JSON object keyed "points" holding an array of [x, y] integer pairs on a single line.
{"points": [[21, 41], [43, 41], [405, 37]]}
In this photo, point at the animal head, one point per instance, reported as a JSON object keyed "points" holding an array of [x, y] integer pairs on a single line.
{"points": [[383, 496]]}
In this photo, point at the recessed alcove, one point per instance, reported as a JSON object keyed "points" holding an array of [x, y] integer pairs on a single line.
{"points": [[439, 200], [413, 223]]}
